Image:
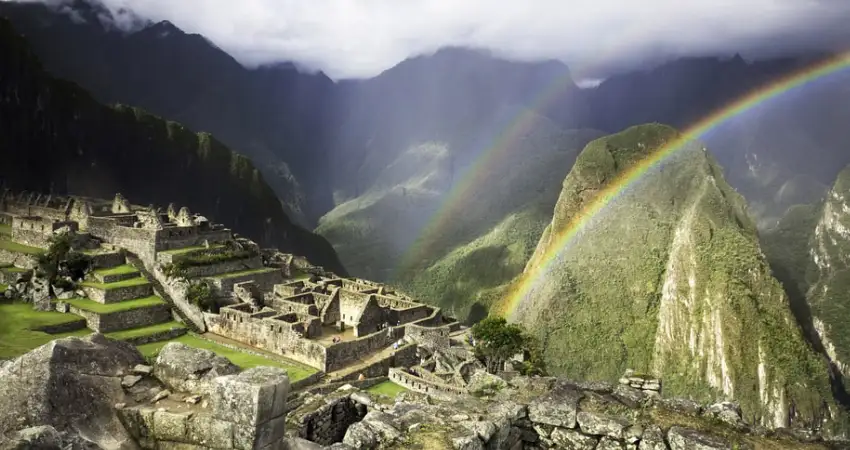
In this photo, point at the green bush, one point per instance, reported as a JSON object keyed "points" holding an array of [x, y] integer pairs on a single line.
{"points": [[200, 295]]}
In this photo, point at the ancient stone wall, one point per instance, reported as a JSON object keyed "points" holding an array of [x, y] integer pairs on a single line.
{"points": [[137, 240], [179, 237], [175, 291], [437, 390], [33, 238], [223, 267], [330, 313], [403, 357], [6, 218], [239, 326], [403, 316], [328, 423], [265, 281], [437, 337], [344, 353], [291, 304], [123, 320], [18, 259], [350, 304], [371, 319], [118, 295]]}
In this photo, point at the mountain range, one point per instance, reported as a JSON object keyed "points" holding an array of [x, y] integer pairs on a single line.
{"points": [[451, 174]]}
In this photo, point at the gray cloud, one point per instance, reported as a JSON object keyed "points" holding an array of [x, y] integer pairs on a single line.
{"points": [[360, 38]]}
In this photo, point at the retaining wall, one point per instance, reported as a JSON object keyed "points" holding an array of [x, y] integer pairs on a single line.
{"points": [[124, 320]]}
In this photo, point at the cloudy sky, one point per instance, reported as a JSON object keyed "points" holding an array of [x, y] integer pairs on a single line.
{"points": [[361, 38]]}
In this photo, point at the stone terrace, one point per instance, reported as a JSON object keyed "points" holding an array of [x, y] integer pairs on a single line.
{"points": [[326, 322]]}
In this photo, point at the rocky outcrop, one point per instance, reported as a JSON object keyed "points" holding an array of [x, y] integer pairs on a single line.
{"points": [[190, 369], [668, 278], [71, 385]]}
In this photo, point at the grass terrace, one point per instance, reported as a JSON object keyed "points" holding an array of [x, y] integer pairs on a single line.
{"points": [[5, 230], [241, 359], [6, 244], [119, 270], [12, 269], [3, 287], [144, 331], [225, 276], [99, 308], [181, 251], [18, 322], [119, 284], [387, 388]]}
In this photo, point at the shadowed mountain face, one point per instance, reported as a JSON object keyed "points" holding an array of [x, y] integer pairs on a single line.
{"points": [[274, 115], [54, 137]]}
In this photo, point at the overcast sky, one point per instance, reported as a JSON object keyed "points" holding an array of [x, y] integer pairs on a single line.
{"points": [[361, 38]]}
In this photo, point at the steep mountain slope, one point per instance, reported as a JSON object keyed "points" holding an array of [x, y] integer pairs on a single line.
{"points": [[829, 295], [670, 279], [276, 115], [55, 137], [446, 227]]}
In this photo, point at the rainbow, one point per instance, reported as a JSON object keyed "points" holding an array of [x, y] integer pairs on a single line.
{"points": [[521, 287], [458, 197]]}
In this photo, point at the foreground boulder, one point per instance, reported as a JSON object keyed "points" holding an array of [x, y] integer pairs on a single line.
{"points": [[71, 385], [190, 369]]}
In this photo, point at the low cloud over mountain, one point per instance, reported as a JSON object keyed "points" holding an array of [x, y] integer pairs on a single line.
{"points": [[361, 38]]}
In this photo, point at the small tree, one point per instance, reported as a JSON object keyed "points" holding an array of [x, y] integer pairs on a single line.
{"points": [[200, 295], [497, 341], [61, 260]]}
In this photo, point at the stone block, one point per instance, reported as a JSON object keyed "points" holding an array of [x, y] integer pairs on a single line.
{"points": [[270, 432], [687, 439], [601, 425], [169, 426], [573, 439], [252, 397], [556, 408], [211, 432]]}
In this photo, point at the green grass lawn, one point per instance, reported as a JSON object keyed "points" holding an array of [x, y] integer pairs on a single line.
{"points": [[93, 306], [5, 230], [241, 359], [15, 270], [119, 270], [144, 331], [225, 276], [17, 321], [180, 251], [387, 388], [6, 244], [3, 287], [120, 284]]}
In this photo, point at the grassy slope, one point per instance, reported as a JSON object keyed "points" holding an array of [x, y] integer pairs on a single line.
{"points": [[17, 321], [93, 306], [241, 359], [598, 310]]}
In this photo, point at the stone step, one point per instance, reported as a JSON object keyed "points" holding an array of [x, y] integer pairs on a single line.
{"points": [[119, 291], [141, 312], [115, 274], [159, 332]]}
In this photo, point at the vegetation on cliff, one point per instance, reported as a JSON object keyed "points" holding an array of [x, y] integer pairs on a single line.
{"points": [[669, 279], [54, 137]]}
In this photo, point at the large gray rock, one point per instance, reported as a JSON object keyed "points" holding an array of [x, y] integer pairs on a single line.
{"points": [[607, 443], [652, 439], [557, 407], [374, 430], [252, 397], [573, 440], [687, 439], [70, 384], [467, 443], [728, 412], [601, 425], [189, 369]]}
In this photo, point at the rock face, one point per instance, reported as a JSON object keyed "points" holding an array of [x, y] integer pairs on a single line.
{"points": [[70, 384], [669, 279], [190, 369], [829, 253]]}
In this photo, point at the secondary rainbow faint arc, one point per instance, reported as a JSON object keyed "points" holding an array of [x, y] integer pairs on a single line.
{"points": [[458, 196], [564, 237]]}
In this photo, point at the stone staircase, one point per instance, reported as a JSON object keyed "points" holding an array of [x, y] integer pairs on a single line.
{"points": [[120, 302]]}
